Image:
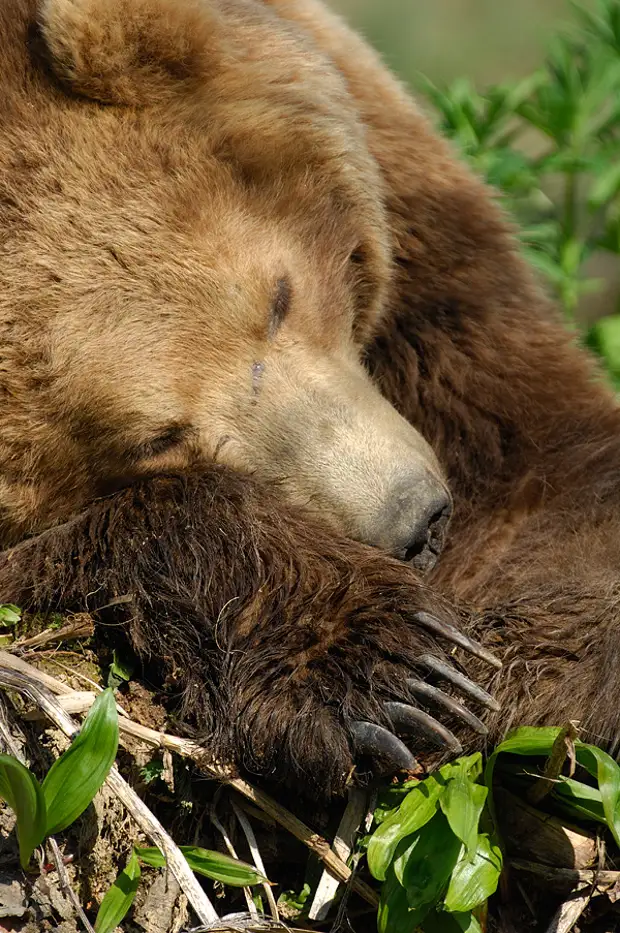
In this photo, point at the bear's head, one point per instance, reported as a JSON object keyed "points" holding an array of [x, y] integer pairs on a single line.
{"points": [[193, 255]]}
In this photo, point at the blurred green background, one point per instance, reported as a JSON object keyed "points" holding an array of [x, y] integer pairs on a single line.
{"points": [[487, 40]]}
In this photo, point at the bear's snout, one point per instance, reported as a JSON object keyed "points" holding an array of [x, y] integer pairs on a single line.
{"points": [[413, 525]]}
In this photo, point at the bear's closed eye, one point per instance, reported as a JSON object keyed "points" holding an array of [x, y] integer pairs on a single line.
{"points": [[280, 306], [171, 436]]}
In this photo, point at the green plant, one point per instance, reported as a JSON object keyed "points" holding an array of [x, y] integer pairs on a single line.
{"points": [[437, 866], [550, 144], [119, 898], [580, 800], [70, 784], [436, 848], [42, 809], [121, 669], [9, 614]]}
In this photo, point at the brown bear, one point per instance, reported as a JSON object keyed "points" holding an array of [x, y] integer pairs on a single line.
{"points": [[261, 334]]}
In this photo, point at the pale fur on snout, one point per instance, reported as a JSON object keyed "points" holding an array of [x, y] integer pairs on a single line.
{"points": [[324, 432]]}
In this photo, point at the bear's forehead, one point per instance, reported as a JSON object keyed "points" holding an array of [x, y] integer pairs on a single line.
{"points": [[93, 196], [130, 231]]}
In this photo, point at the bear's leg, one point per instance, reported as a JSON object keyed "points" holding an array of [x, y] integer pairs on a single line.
{"points": [[549, 604], [292, 648]]}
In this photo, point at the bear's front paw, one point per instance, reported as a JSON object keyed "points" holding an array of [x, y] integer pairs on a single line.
{"points": [[356, 691], [405, 719]]}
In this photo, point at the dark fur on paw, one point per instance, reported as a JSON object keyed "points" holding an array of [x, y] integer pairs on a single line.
{"points": [[292, 652]]}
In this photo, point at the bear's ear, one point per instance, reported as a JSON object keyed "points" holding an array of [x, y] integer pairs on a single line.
{"points": [[130, 51]]}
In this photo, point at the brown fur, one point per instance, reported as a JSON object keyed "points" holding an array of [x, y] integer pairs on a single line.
{"points": [[140, 248], [133, 299]]}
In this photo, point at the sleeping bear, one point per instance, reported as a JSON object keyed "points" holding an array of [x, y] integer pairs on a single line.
{"points": [[280, 399]]}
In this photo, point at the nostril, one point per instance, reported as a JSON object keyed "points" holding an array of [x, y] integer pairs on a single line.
{"points": [[427, 538], [415, 550], [438, 524]]}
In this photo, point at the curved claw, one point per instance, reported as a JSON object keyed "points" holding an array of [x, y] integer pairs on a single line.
{"points": [[447, 672], [451, 633], [374, 740], [426, 693], [408, 719]]}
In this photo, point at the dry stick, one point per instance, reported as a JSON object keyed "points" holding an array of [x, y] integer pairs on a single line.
{"points": [[571, 910], [43, 698], [568, 914], [342, 845], [246, 826], [7, 741], [65, 884], [12, 663], [313, 841], [568, 876], [81, 627], [203, 759], [247, 892], [562, 748]]}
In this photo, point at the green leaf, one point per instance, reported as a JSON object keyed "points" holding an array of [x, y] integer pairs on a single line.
{"points": [[439, 921], [606, 186], [474, 880], [207, 862], [470, 765], [295, 901], [119, 898], [571, 256], [604, 338], [152, 770], [21, 790], [532, 740], [507, 169], [75, 777], [579, 799], [602, 766], [424, 861], [391, 797], [527, 740], [121, 669], [395, 915], [549, 267], [9, 614], [462, 803], [418, 807]]}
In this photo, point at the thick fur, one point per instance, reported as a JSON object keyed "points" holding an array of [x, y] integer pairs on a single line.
{"points": [[274, 629], [274, 634]]}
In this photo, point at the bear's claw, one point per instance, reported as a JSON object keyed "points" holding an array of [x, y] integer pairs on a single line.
{"points": [[433, 696], [446, 672], [373, 740], [451, 633], [407, 719]]}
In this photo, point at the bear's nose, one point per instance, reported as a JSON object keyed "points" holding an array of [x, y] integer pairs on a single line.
{"points": [[413, 525]]}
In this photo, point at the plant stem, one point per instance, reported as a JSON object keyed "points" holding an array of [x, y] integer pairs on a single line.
{"points": [[570, 206], [569, 226]]}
